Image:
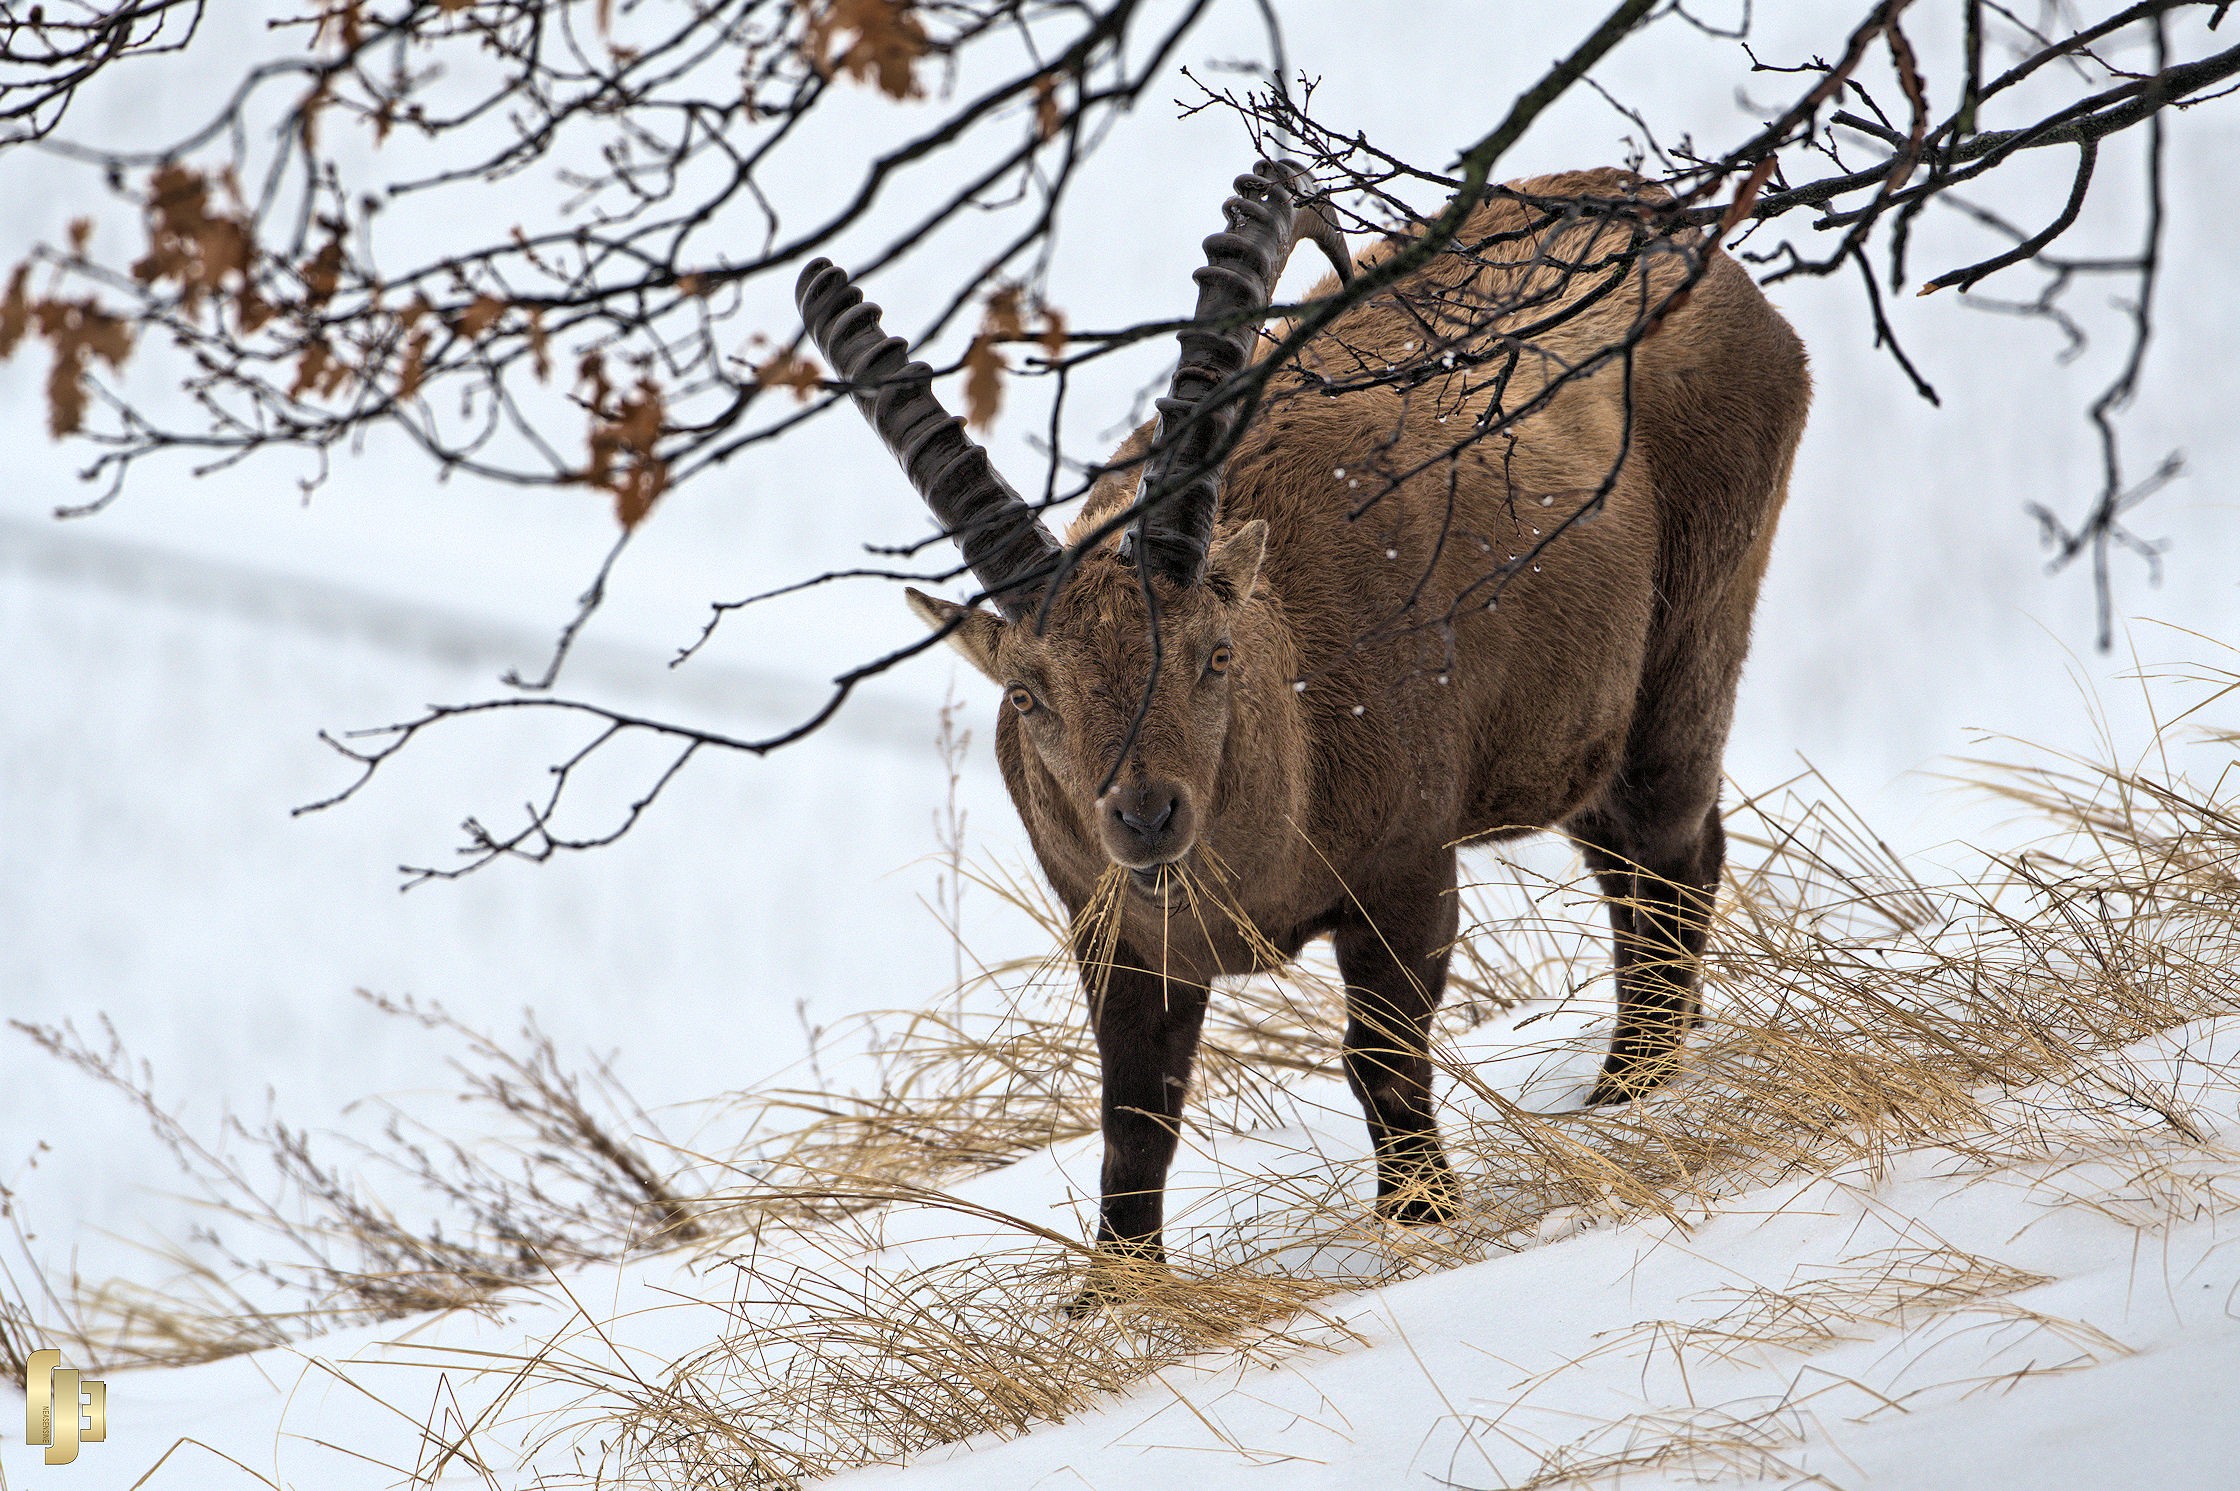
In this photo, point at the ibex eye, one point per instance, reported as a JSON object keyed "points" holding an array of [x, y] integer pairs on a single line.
{"points": [[1222, 657], [1021, 699]]}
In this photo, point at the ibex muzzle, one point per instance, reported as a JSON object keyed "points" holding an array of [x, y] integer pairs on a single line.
{"points": [[1146, 823], [1266, 675]]}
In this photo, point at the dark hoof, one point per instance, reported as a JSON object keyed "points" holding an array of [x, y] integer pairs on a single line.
{"points": [[1116, 1276], [1418, 1208], [1622, 1084], [1427, 1196]]}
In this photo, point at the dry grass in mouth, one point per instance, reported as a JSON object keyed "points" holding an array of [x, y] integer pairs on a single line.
{"points": [[1856, 1011]]}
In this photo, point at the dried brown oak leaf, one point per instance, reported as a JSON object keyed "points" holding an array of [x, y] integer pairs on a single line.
{"points": [[540, 346], [342, 22], [622, 455], [479, 316], [322, 274], [786, 368], [79, 331], [1002, 319], [15, 310], [1048, 115], [318, 372], [885, 39], [415, 364], [417, 330], [194, 246]]}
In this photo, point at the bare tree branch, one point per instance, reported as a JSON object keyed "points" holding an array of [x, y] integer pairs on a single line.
{"points": [[604, 343]]}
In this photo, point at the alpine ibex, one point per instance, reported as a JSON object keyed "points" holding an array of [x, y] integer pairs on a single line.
{"points": [[1278, 674]]}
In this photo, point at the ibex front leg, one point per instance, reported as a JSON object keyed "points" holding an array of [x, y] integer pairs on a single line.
{"points": [[1147, 1036], [1394, 961]]}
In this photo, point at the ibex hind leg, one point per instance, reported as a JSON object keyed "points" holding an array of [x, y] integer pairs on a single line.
{"points": [[1661, 879], [1393, 958]]}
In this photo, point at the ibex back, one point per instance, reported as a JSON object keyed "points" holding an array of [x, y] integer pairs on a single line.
{"points": [[1278, 674]]}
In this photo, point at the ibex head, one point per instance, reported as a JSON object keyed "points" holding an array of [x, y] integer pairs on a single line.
{"points": [[1131, 731], [1122, 658]]}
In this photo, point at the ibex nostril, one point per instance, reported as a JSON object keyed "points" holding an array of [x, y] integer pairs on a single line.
{"points": [[1147, 818]]}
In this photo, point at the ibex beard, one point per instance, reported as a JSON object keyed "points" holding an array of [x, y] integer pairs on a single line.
{"points": [[1279, 672]]}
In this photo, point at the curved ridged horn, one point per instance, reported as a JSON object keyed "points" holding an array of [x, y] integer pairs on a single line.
{"points": [[1243, 263], [1008, 549]]}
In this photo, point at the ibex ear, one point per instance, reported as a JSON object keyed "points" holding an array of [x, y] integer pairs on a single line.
{"points": [[976, 630], [1233, 563]]}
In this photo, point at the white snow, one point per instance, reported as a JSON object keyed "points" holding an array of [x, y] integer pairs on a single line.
{"points": [[2078, 1338]]}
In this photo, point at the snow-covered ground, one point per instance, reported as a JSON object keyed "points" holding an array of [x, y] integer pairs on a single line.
{"points": [[1934, 1321], [1952, 1326], [165, 668]]}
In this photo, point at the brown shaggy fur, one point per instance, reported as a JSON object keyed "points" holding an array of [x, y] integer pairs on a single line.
{"points": [[1375, 714]]}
